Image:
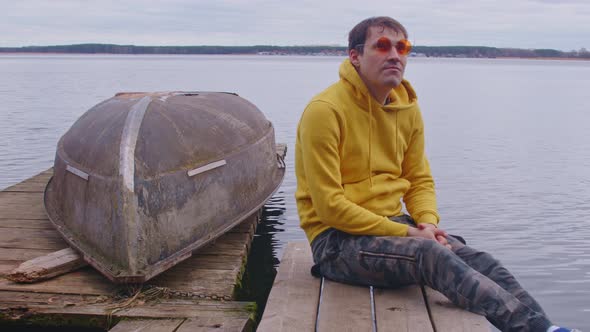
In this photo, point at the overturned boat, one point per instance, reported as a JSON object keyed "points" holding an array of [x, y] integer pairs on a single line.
{"points": [[143, 179]]}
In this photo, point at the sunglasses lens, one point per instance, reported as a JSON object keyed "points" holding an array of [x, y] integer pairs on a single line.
{"points": [[383, 44], [403, 47]]}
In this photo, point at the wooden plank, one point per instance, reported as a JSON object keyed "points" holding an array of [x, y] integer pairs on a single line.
{"points": [[236, 238], [26, 223], [402, 310], [213, 283], [218, 262], [21, 255], [21, 198], [163, 308], [99, 304], [185, 280], [293, 300], [34, 184], [31, 187], [447, 317], [30, 211], [345, 307], [148, 325], [7, 266], [25, 199], [227, 244], [215, 251], [212, 324], [84, 281], [210, 283], [10, 258], [43, 175], [47, 266], [21, 205], [192, 270], [9, 299], [14, 304], [29, 238], [247, 226]]}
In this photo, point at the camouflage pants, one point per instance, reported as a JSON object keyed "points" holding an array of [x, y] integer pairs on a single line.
{"points": [[471, 279]]}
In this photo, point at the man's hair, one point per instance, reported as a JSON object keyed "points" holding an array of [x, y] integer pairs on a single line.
{"points": [[358, 34]]}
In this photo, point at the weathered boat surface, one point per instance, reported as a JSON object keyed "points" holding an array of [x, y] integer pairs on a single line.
{"points": [[143, 179]]}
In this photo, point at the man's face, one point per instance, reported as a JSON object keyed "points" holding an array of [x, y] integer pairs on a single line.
{"points": [[380, 69]]}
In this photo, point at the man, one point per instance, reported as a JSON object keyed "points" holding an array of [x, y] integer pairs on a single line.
{"points": [[359, 151]]}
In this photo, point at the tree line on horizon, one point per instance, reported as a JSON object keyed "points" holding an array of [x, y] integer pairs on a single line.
{"points": [[428, 51]]}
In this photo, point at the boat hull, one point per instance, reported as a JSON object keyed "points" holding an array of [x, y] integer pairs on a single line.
{"points": [[142, 180]]}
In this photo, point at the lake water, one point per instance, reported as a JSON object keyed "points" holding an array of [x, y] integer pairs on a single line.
{"points": [[508, 142]]}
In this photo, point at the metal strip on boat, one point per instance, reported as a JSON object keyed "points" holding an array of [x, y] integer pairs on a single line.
{"points": [[206, 168], [77, 172], [129, 141]]}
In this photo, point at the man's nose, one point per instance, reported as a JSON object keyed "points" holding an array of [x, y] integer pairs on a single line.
{"points": [[393, 54]]}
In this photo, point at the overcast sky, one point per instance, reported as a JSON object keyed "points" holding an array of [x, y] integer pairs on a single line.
{"points": [[557, 24]]}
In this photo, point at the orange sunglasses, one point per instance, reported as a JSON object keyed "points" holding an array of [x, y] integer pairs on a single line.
{"points": [[384, 45]]}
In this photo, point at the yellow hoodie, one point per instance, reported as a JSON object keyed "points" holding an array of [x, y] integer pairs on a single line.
{"points": [[355, 159]]}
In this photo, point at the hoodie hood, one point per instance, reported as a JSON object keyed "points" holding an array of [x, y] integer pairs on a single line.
{"points": [[400, 98]]}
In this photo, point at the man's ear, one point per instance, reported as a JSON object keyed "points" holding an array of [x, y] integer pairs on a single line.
{"points": [[353, 56]]}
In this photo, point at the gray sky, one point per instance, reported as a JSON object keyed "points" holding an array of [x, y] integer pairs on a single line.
{"points": [[557, 24]]}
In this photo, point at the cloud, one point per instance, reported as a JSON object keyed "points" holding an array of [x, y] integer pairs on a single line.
{"points": [[501, 23]]}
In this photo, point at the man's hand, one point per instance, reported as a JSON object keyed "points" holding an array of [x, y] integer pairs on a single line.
{"points": [[430, 231]]}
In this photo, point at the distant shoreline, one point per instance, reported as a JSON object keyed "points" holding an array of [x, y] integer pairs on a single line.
{"points": [[286, 55], [548, 58], [318, 50]]}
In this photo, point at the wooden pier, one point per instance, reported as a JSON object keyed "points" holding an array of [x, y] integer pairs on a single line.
{"points": [[198, 294], [294, 304]]}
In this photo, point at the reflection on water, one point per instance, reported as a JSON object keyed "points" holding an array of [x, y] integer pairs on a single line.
{"points": [[262, 259]]}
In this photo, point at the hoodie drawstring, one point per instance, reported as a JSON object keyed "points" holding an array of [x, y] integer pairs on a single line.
{"points": [[370, 143], [396, 135], [371, 138]]}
